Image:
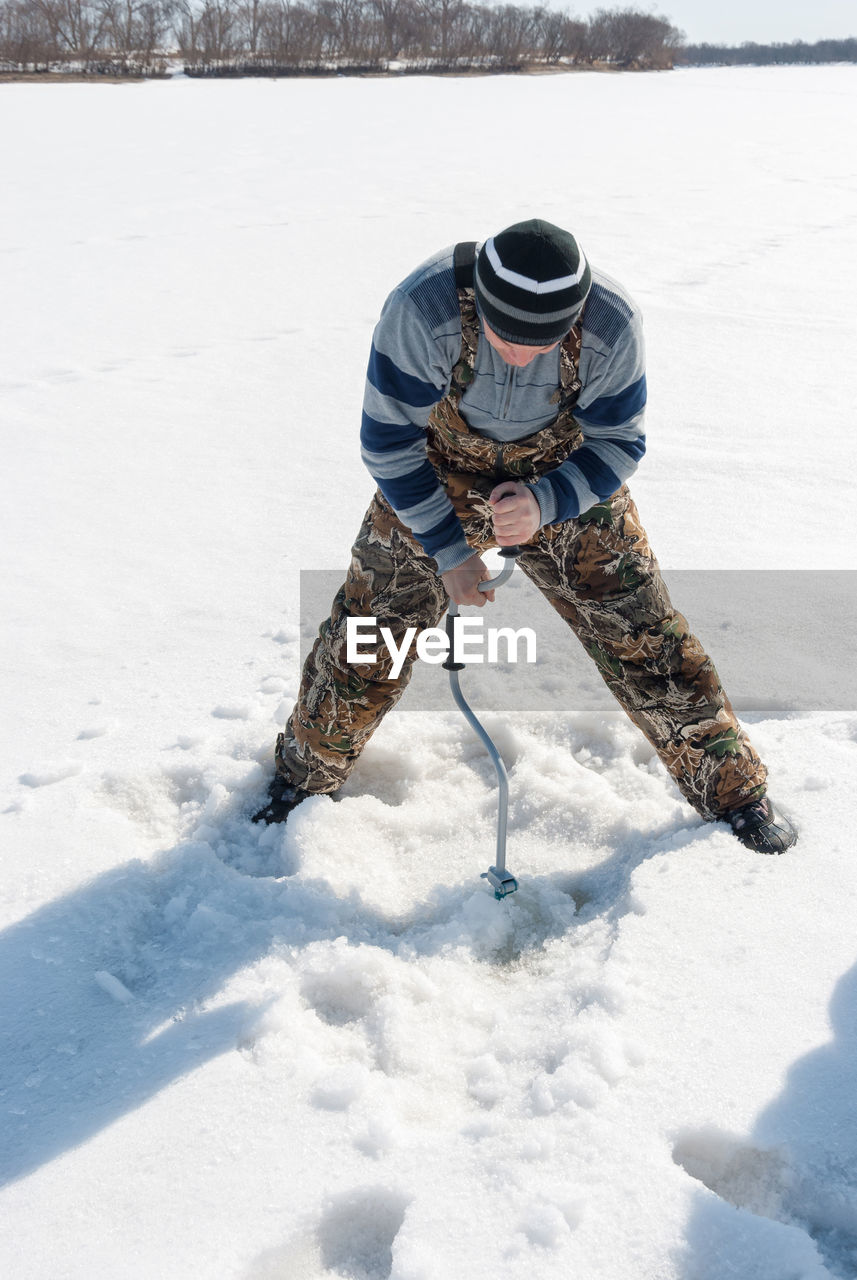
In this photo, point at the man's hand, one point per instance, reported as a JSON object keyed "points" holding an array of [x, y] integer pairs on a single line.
{"points": [[517, 515], [462, 584]]}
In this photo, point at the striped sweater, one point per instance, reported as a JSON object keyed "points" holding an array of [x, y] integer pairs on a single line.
{"points": [[416, 344]]}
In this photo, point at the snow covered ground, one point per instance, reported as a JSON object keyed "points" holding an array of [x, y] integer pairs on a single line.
{"points": [[326, 1051]]}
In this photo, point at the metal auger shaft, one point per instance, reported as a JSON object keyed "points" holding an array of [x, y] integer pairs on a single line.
{"points": [[500, 879]]}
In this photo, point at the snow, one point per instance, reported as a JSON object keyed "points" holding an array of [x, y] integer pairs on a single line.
{"points": [[325, 1050]]}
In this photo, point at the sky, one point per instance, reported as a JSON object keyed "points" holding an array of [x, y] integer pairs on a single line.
{"points": [[734, 21]]}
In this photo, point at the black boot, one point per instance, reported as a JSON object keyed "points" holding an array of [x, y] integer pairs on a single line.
{"points": [[283, 796], [762, 827]]}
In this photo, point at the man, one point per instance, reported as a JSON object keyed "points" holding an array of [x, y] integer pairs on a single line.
{"points": [[504, 405]]}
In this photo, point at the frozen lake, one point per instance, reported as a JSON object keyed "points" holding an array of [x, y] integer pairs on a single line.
{"points": [[324, 1051]]}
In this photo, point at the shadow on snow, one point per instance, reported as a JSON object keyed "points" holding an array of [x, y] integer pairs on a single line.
{"points": [[786, 1201], [113, 992]]}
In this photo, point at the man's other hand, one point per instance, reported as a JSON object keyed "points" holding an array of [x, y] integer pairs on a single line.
{"points": [[462, 584]]}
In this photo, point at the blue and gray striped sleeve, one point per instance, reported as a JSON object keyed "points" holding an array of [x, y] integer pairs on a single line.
{"points": [[610, 411], [406, 378]]}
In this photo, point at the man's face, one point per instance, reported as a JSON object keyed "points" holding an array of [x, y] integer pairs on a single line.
{"points": [[515, 352]]}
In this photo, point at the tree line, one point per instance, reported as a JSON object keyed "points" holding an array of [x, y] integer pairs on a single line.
{"points": [[287, 37], [750, 54]]}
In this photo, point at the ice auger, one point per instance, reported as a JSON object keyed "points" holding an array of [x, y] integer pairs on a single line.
{"points": [[500, 879]]}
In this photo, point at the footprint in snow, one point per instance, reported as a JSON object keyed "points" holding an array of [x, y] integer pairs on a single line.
{"points": [[338, 1089], [47, 777], [94, 731], [548, 1225], [272, 684], [242, 712], [339, 995], [285, 635], [353, 1240], [357, 1232]]}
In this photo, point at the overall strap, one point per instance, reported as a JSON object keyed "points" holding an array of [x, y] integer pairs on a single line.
{"points": [[565, 397], [463, 261]]}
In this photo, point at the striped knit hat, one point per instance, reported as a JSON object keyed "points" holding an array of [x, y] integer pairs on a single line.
{"points": [[531, 282]]}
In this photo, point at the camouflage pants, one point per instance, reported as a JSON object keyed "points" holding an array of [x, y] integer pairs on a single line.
{"points": [[599, 573]]}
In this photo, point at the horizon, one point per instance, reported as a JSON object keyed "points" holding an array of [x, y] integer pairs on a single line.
{"points": [[734, 23]]}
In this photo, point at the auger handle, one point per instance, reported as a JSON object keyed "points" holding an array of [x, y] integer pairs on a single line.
{"points": [[509, 554]]}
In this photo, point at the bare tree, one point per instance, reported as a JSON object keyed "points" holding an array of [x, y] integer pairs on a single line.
{"points": [[75, 26], [441, 22], [217, 31], [512, 30], [393, 17], [207, 32], [629, 38], [134, 32], [345, 23], [249, 17], [560, 37], [26, 40], [292, 35]]}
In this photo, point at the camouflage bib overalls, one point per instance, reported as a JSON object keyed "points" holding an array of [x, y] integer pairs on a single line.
{"points": [[597, 571]]}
